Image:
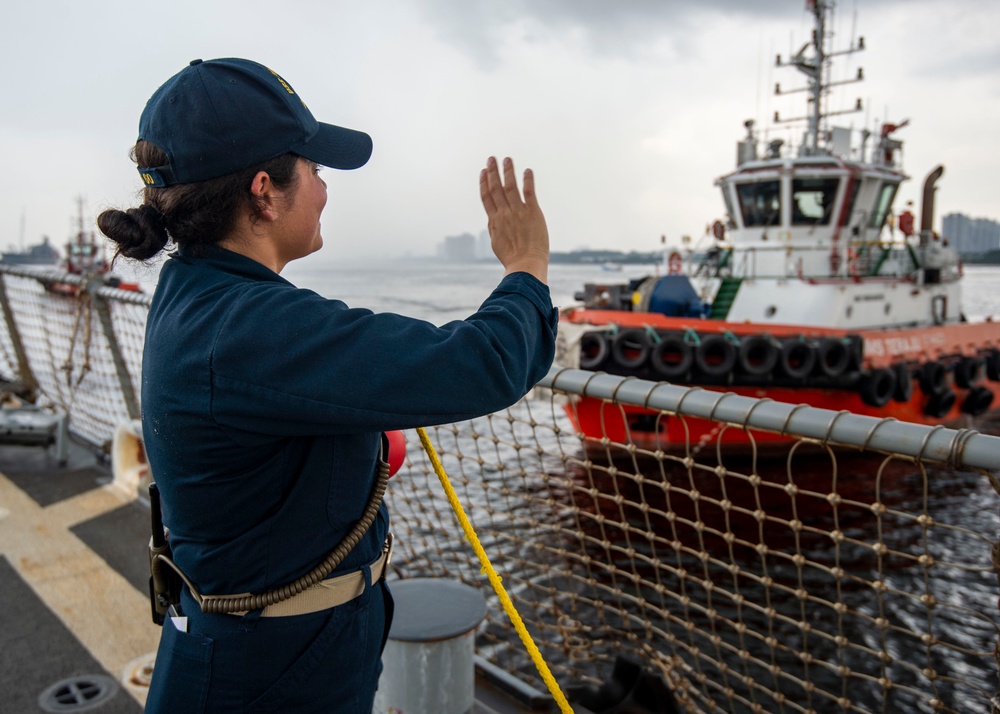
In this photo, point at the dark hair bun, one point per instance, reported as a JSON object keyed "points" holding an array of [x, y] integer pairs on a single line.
{"points": [[139, 232]]}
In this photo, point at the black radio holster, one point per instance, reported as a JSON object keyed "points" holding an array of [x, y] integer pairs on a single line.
{"points": [[164, 582]]}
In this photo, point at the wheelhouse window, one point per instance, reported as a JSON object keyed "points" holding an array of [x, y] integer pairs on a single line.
{"points": [[812, 201], [760, 203], [883, 205]]}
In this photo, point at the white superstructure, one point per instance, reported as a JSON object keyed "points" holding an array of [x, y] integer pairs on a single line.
{"points": [[811, 238]]}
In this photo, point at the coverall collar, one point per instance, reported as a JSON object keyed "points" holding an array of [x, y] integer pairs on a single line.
{"points": [[229, 262]]}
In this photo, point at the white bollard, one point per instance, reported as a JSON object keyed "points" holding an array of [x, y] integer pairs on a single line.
{"points": [[428, 665]]}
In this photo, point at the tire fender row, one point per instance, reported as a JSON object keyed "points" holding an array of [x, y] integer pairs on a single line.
{"points": [[937, 378], [724, 358]]}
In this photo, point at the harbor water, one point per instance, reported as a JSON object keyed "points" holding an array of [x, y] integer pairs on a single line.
{"points": [[440, 291]]}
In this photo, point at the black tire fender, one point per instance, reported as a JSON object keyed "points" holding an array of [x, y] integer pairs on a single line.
{"points": [[758, 354], [672, 356], [832, 357], [797, 359], [630, 348], [715, 355], [593, 350], [977, 401], [904, 382], [933, 378], [940, 403], [992, 358], [968, 371], [877, 387]]}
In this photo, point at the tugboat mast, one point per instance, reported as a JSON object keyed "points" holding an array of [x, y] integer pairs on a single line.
{"points": [[815, 74], [814, 67]]}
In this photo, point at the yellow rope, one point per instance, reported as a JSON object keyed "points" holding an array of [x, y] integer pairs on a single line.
{"points": [[484, 559]]}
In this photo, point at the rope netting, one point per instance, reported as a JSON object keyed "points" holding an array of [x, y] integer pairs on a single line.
{"points": [[58, 325], [817, 577], [747, 572]]}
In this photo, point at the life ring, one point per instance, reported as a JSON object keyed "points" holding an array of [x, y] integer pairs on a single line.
{"points": [[757, 355], [968, 371], [671, 356], [877, 387], [630, 348], [933, 378], [797, 359], [719, 230], [904, 382], [977, 401], [940, 403], [675, 263], [832, 357], [905, 223], [715, 356], [852, 262], [593, 350]]}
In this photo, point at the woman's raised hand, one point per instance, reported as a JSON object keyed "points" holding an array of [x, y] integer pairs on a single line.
{"points": [[517, 227]]}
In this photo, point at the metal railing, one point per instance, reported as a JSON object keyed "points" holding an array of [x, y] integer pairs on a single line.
{"points": [[847, 567], [850, 571]]}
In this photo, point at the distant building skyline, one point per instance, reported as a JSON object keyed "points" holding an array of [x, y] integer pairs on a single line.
{"points": [[465, 248], [971, 235]]}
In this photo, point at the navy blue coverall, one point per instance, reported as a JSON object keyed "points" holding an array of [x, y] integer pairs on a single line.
{"points": [[262, 408]]}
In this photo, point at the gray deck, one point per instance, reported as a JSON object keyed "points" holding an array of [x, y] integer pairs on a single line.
{"points": [[73, 584]]}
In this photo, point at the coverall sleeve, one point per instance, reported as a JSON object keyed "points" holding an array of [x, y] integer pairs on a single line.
{"points": [[290, 362]]}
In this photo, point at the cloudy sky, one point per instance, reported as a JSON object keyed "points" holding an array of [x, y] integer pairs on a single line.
{"points": [[627, 110]]}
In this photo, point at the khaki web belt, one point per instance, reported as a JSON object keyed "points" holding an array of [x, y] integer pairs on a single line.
{"points": [[329, 593], [319, 596]]}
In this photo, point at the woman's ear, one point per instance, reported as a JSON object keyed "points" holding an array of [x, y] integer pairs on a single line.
{"points": [[265, 193]]}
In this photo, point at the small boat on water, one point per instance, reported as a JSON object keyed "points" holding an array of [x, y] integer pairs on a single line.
{"points": [[86, 257], [812, 290]]}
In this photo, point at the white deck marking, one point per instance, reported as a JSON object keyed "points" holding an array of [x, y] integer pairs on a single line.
{"points": [[99, 606]]}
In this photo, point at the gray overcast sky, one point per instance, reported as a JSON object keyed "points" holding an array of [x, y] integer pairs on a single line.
{"points": [[627, 110]]}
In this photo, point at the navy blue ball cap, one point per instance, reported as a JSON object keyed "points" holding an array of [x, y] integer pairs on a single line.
{"points": [[221, 116]]}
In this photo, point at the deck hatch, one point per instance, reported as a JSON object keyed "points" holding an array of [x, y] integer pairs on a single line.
{"points": [[78, 694]]}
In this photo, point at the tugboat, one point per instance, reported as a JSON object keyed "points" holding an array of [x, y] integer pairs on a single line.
{"points": [[85, 257], [813, 291]]}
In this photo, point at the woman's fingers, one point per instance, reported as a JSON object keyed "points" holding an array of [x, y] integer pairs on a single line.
{"points": [[530, 199], [510, 183], [484, 192], [517, 228], [497, 193], [495, 185]]}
